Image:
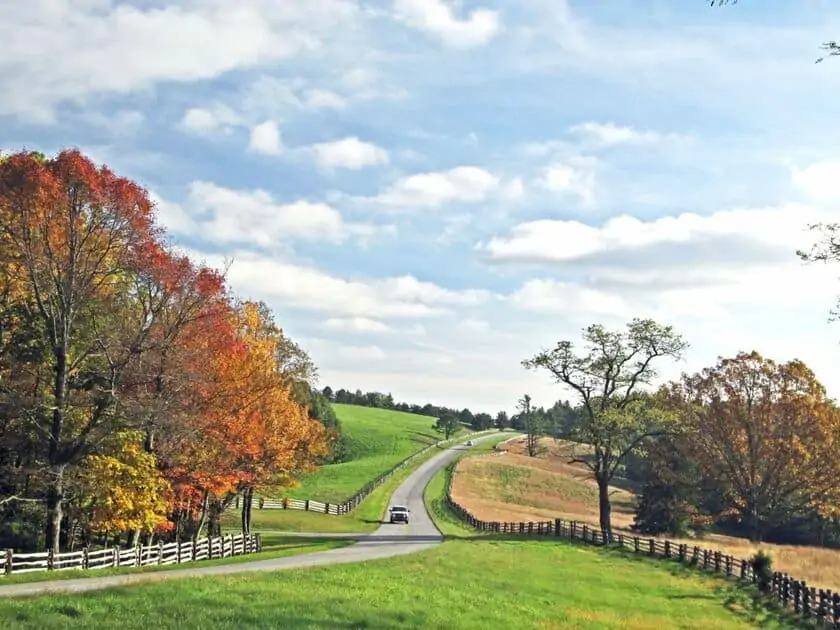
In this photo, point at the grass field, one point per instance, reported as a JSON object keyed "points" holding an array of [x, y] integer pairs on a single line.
{"points": [[516, 487], [378, 440], [365, 518], [274, 546], [469, 582]]}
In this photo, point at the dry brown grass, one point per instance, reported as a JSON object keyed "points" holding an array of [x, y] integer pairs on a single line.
{"points": [[516, 487]]}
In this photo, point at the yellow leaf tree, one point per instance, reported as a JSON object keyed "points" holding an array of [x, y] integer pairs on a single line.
{"points": [[124, 490], [767, 433]]}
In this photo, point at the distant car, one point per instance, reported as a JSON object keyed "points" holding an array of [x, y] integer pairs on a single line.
{"points": [[470, 443], [399, 514]]}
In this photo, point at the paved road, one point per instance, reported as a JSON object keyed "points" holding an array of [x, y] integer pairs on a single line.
{"points": [[387, 541]]}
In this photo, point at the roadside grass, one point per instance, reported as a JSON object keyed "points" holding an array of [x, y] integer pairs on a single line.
{"points": [[548, 487], [377, 440], [365, 518], [274, 546], [461, 584]]}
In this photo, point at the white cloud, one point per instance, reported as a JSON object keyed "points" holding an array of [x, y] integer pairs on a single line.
{"points": [[290, 285], [464, 184], [438, 18], [202, 120], [610, 133], [356, 324], [68, 50], [265, 139], [548, 240], [324, 99], [350, 153], [574, 177], [819, 181], [226, 216], [551, 296]]}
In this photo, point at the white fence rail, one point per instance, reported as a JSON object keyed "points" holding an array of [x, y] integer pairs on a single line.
{"points": [[13, 563]]}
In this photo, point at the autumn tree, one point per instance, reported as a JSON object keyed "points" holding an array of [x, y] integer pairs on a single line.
{"points": [[76, 233], [767, 433], [607, 377]]}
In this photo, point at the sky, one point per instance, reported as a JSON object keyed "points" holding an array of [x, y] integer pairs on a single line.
{"points": [[427, 192]]}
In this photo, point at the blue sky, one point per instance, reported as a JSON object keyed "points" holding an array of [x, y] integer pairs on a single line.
{"points": [[429, 191]]}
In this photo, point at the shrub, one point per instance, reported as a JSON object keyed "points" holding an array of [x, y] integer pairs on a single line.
{"points": [[762, 566]]}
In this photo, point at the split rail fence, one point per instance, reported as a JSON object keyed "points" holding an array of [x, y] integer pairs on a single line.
{"points": [[335, 509], [13, 563], [820, 605]]}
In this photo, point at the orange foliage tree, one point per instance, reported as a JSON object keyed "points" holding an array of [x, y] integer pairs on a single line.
{"points": [[768, 435], [105, 332]]}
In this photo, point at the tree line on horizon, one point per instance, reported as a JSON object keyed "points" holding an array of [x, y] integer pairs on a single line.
{"points": [[138, 394], [558, 420]]}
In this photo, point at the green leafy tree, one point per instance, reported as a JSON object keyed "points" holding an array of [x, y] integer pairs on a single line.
{"points": [[606, 377], [447, 424]]}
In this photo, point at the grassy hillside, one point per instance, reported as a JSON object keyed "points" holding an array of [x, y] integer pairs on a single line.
{"points": [[462, 584], [378, 439], [515, 487]]}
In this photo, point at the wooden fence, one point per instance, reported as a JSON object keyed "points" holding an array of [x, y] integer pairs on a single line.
{"points": [[335, 509], [816, 604], [12, 563]]}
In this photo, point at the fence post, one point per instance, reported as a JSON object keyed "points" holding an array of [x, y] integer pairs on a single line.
{"points": [[116, 559], [585, 532], [651, 546], [258, 541], [261, 503], [209, 547], [306, 505], [85, 560], [557, 525], [835, 607], [667, 548], [160, 552], [194, 550], [326, 508], [9, 558], [806, 600], [50, 559], [636, 544]]}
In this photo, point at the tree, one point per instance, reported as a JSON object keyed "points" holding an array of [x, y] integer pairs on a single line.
{"points": [[767, 433], [670, 494], [125, 490], [606, 378], [447, 424], [502, 421], [530, 420], [75, 235]]}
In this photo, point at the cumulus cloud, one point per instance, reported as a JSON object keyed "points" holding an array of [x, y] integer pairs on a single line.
{"points": [[562, 241], [610, 133], [265, 139], [291, 285], [227, 216], [356, 324], [463, 184], [56, 51], [350, 153], [438, 19]]}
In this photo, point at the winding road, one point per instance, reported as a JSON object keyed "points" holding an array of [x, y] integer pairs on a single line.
{"points": [[387, 541]]}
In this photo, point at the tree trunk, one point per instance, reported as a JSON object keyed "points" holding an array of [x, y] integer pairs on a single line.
{"points": [[55, 486], [55, 514], [215, 518], [604, 509], [203, 518], [247, 502]]}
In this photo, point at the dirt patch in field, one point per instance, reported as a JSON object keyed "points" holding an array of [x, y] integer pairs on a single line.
{"points": [[515, 487]]}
